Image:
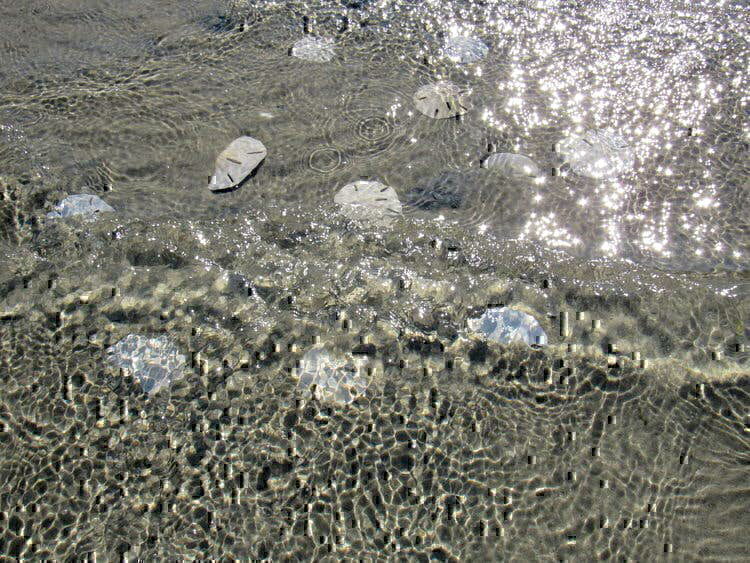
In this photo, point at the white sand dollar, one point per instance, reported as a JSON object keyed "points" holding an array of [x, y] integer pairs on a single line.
{"points": [[462, 49], [84, 205], [154, 362], [441, 100], [511, 164], [369, 201], [329, 377], [236, 162], [597, 154], [507, 325], [314, 49]]}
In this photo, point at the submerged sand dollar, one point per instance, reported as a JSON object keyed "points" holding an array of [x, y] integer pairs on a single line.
{"points": [[330, 378], [441, 100], [507, 325], [369, 201], [154, 362], [463, 49], [314, 49], [597, 154], [511, 164], [85, 205], [236, 162]]}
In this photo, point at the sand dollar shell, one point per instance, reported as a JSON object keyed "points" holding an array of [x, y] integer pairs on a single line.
{"points": [[441, 100], [597, 154], [236, 162], [314, 49], [511, 164], [86, 205], [329, 377], [462, 49], [154, 362], [369, 201], [507, 325]]}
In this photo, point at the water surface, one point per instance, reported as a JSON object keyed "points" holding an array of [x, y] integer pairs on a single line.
{"points": [[626, 436]]}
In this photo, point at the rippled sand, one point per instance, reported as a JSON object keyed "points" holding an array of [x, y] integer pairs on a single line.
{"points": [[626, 436]]}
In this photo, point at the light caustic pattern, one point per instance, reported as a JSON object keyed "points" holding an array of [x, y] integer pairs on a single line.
{"points": [[399, 432]]}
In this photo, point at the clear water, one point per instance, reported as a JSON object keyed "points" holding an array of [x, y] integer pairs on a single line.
{"points": [[626, 436]]}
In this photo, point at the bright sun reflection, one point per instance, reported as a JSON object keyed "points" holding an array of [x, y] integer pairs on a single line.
{"points": [[666, 85]]}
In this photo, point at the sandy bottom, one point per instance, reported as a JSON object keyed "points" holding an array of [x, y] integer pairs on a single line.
{"points": [[625, 436]]}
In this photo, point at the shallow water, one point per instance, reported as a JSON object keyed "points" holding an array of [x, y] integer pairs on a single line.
{"points": [[626, 436]]}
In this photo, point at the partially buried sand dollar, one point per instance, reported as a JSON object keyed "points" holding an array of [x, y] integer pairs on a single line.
{"points": [[511, 164], [597, 154], [441, 100], [314, 49], [86, 206], [236, 162], [463, 49]]}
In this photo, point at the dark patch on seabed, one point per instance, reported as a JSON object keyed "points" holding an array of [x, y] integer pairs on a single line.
{"points": [[625, 436]]}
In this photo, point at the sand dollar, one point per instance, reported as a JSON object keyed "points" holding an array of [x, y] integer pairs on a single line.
{"points": [[507, 325], [369, 201], [597, 154], [511, 164], [236, 162], [154, 362], [85, 205], [314, 49], [330, 378], [441, 100], [462, 49]]}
